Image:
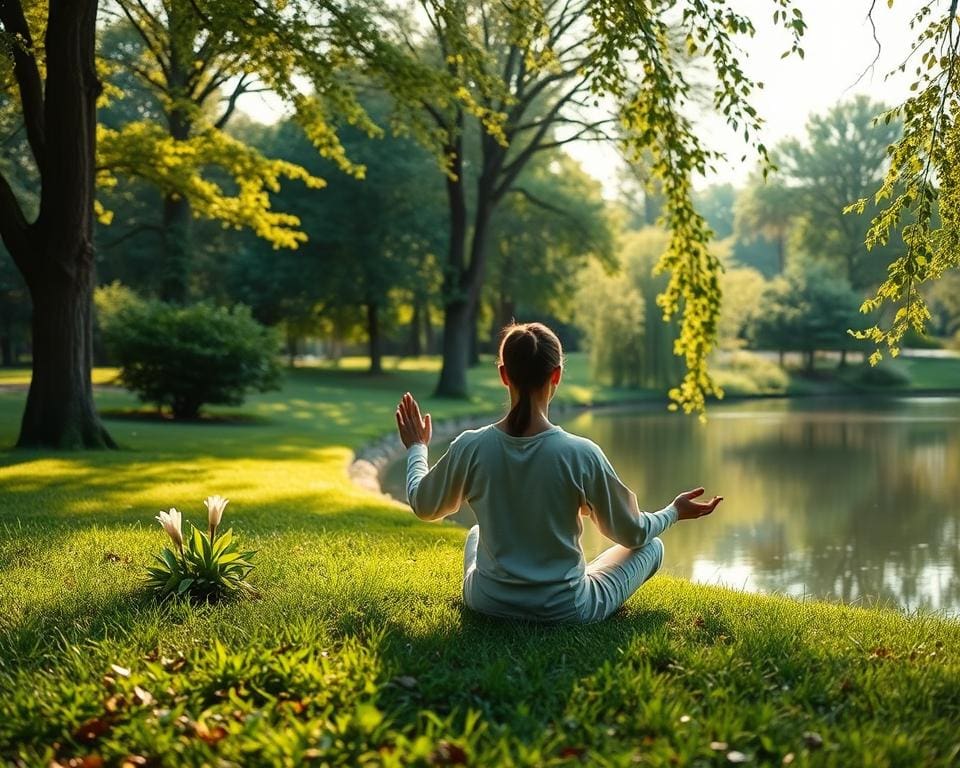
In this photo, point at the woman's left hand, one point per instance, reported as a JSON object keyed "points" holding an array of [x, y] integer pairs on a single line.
{"points": [[412, 427]]}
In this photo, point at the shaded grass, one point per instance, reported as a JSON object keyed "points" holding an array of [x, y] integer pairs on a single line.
{"points": [[359, 650]]}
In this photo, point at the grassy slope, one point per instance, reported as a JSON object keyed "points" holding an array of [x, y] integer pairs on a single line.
{"points": [[359, 649]]}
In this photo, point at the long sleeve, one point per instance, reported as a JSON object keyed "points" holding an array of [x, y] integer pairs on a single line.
{"points": [[436, 492], [615, 510]]}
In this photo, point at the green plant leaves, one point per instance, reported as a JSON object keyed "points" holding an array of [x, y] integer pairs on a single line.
{"points": [[208, 570]]}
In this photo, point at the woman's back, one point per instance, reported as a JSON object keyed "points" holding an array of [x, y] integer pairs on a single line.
{"points": [[527, 494]]}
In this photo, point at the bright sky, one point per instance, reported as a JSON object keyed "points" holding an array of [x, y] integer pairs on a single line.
{"points": [[838, 45]]}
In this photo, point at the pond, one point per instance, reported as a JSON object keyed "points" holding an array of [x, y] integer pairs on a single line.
{"points": [[856, 500]]}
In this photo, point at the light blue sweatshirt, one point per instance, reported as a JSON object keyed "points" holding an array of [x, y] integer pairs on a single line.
{"points": [[528, 494]]}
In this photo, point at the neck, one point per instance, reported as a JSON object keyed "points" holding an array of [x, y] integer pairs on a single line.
{"points": [[539, 410]]}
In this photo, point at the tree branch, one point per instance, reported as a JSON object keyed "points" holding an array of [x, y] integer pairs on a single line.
{"points": [[232, 102], [14, 229], [151, 45], [27, 74]]}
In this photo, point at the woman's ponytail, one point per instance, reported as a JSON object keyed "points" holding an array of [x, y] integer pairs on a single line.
{"points": [[530, 353]]}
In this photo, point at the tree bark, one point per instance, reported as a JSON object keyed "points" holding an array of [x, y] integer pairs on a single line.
{"points": [[6, 350], [374, 337], [415, 343], [55, 254], [456, 309], [175, 270], [474, 359], [176, 221], [455, 348]]}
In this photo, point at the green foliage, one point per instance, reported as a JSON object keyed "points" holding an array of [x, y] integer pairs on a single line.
{"points": [[842, 158], [185, 357], [878, 377], [743, 289], [551, 225], [653, 110], [920, 193], [206, 570], [629, 343], [807, 310], [746, 373]]}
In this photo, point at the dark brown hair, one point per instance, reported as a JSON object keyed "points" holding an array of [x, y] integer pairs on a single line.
{"points": [[530, 352]]}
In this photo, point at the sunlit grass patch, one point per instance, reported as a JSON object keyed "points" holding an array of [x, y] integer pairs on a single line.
{"points": [[357, 648]]}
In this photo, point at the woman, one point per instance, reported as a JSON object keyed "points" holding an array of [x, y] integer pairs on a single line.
{"points": [[528, 482]]}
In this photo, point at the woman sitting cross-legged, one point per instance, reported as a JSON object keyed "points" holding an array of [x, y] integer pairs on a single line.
{"points": [[528, 482]]}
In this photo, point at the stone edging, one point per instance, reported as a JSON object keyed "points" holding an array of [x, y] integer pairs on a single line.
{"points": [[370, 459]]}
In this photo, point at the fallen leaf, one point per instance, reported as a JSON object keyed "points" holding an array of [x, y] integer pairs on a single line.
{"points": [[788, 758], [447, 753], [134, 761], [812, 740], [92, 730], [122, 671], [718, 746], [144, 696], [684, 718], [736, 757], [88, 761], [114, 703], [209, 735]]}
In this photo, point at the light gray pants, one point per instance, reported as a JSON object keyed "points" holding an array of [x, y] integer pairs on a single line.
{"points": [[611, 577]]}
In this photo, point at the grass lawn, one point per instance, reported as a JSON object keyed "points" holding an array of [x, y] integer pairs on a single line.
{"points": [[359, 650]]}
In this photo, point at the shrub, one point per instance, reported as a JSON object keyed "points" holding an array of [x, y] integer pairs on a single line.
{"points": [[878, 376], [202, 566], [745, 373], [186, 357]]}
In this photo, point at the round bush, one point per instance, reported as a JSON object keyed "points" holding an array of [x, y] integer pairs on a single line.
{"points": [[183, 357], [870, 376]]}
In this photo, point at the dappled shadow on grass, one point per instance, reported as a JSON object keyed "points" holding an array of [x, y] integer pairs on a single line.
{"points": [[515, 672], [164, 417], [29, 642]]}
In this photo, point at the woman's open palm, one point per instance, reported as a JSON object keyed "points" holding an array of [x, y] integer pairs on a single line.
{"points": [[413, 427], [688, 509]]}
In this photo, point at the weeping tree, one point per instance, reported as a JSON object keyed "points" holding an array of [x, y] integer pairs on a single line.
{"points": [[543, 73]]}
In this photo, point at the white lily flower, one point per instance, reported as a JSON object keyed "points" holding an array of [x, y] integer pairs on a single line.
{"points": [[171, 524], [215, 507]]}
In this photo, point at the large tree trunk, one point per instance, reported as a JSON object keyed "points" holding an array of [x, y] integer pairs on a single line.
{"points": [[474, 359], [56, 254], [415, 343], [175, 270], [60, 412], [374, 337], [176, 222], [6, 350], [455, 348], [456, 304], [429, 336]]}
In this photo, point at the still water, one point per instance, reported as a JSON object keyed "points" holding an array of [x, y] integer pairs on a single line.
{"points": [[855, 499]]}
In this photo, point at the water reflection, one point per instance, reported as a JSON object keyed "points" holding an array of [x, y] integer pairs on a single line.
{"points": [[853, 500]]}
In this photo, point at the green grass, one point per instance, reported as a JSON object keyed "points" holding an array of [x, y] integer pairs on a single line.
{"points": [[359, 650]]}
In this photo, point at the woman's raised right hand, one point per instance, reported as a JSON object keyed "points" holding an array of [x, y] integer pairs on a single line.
{"points": [[688, 509]]}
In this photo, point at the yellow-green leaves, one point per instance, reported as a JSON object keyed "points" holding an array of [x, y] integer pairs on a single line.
{"points": [[185, 167], [921, 188]]}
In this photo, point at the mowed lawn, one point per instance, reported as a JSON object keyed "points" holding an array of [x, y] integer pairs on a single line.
{"points": [[359, 651]]}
